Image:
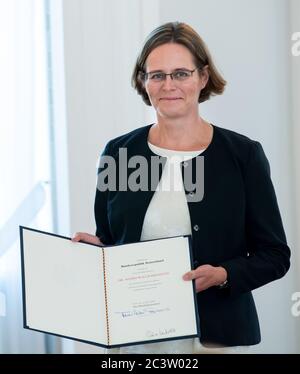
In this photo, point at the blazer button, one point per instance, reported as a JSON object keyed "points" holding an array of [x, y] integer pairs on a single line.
{"points": [[196, 227], [191, 193], [196, 264]]}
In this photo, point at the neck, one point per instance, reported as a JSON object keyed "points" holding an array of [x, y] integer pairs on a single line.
{"points": [[181, 134]]}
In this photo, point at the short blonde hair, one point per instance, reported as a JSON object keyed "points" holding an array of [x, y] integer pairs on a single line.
{"points": [[180, 33]]}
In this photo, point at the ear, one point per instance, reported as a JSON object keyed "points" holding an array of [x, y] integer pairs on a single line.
{"points": [[204, 75]]}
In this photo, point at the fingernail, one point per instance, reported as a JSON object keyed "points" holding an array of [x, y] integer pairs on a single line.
{"points": [[186, 277]]}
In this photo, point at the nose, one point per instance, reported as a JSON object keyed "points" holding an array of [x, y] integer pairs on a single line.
{"points": [[169, 83]]}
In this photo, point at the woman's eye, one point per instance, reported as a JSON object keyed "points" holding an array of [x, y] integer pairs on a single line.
{"points": [[181, 74], [157, 76]]}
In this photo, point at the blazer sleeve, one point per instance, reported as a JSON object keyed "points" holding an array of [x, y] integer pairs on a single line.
{"points": [[268, 256], [100, 207]]}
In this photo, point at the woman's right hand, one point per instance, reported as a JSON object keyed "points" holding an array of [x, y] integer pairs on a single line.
{"points": [[87, 238]]}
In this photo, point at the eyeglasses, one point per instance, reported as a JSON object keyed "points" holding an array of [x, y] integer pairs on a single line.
{"points": [[178, 75]]}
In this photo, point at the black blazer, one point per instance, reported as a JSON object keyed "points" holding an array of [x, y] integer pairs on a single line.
{"points": [[236, 225]]}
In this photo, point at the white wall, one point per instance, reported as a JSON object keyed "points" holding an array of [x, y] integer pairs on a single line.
{"points": [[250, 40], [295, 98]]}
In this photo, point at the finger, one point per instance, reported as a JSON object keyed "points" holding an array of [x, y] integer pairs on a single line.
{"points": [[77, 237], [203, 284], [194, 274], [189, 276], [200, 286]]}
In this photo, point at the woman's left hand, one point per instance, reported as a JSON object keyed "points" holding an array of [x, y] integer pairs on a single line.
{"points": [[206, 276]]}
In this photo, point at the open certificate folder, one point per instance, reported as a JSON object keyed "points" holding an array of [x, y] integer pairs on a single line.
{"points": [[108, 296]]}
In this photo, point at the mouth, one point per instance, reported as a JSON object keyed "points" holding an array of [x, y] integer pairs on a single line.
{"points": [[171, 98]]}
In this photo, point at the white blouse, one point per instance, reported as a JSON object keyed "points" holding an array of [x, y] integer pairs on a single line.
{"points": [[167, 214]]}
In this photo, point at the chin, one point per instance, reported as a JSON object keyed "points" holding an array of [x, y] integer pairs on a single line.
{"points": [[170, 111], [173, 115]]}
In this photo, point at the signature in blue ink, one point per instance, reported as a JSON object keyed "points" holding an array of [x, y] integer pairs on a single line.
{"points": [[141, 313]]}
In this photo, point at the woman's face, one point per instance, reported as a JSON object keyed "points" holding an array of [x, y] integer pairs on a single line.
{"points": [[172, 98]]}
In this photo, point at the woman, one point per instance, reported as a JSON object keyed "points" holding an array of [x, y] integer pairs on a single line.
{"points": [[238, 239]]}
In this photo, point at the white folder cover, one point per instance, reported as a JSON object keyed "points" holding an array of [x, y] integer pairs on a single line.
{"points": [[109, 296]]}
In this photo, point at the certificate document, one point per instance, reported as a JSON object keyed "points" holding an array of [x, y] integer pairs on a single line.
{"points": [[109, 296]]}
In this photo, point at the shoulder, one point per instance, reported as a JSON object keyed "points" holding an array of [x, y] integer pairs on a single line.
{"points": [[247, 152], [242, 146], [234, 138], [125, 139]]}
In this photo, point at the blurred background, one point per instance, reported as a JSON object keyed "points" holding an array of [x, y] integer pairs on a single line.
{"points": [[65, 69]]}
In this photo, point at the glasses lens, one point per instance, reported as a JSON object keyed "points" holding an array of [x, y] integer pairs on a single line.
{"points": [[181, 75], [157, 77]]}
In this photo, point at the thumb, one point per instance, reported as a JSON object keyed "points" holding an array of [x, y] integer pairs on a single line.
{"points": [[189, 276], [75, 237]]}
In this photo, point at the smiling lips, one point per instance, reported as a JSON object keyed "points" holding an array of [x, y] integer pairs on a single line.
{"points": [[170, 98]]}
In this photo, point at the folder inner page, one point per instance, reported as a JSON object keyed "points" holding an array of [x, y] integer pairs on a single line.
{"points": [[64, 289], [148, 299]]}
